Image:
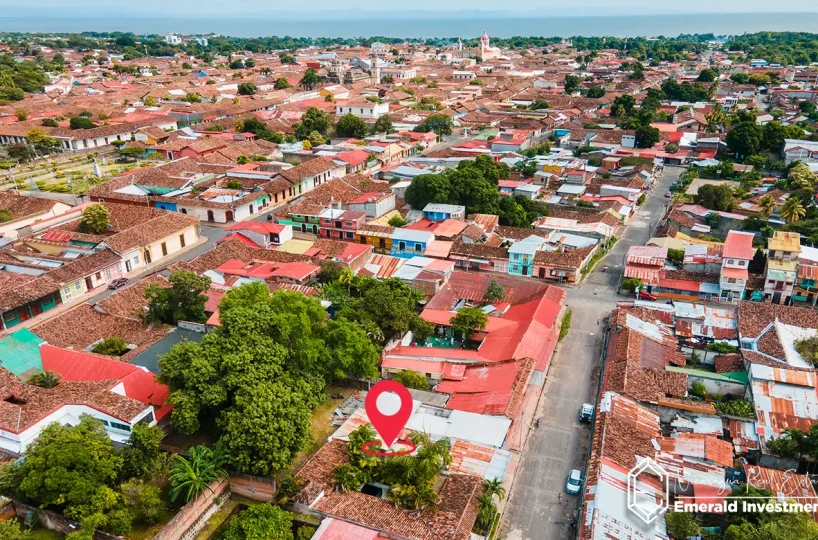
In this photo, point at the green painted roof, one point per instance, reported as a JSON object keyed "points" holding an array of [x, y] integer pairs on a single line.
{"points": [[733, 376], [20, 353]]}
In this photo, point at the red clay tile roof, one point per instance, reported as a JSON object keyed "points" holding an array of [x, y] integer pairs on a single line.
{"points": [[23, 405]]}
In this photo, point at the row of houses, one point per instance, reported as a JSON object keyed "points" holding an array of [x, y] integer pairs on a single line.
{"points": [[60, 264]]}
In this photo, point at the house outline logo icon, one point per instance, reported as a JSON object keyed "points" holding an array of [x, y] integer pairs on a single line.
{"points": [[643, 502]]}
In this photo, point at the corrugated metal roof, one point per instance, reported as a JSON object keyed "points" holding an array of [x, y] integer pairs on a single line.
{"points": [[20, 352]]}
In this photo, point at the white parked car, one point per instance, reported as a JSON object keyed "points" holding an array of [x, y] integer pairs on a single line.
{"points": [[574, 484]]}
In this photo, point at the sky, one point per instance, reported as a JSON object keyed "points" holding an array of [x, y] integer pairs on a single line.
{"points": [[348, 8]]}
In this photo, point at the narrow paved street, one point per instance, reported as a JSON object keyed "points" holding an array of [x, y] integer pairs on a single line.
{"points": [[560, 444]]}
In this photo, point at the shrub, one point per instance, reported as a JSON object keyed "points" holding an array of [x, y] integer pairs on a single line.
{"points": [[698, 390], [676, 255], [736, 407], [412, 379], [630, 284], [397, 222], [565, 326], [111, 346]]}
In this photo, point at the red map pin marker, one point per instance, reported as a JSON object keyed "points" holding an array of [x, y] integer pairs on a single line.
{"points": [[388, 426]]}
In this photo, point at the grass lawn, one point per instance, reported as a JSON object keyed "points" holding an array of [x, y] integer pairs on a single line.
{"points": [[218, 519], [144, 532], [320, 424]]}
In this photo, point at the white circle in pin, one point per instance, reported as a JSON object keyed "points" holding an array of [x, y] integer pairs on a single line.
{"points": [[388, 403]]}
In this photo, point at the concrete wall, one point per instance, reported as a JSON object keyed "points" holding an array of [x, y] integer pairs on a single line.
{"points": [[719, 387], [252, 487], [194, 514]]}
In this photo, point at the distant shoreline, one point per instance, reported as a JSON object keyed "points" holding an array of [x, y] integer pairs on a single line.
{"points": [[448, 25]]}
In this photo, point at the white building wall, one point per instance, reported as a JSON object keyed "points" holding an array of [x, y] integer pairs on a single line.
{"points": [[69, 415], [172, 242]]}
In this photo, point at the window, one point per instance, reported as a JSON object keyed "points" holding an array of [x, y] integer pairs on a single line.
{"points": [[66, 291], [350, 236], [98, 275], [731, 261], [123, 427], [78, 285], [810, 283], [418, 248], [401, 246], [348, 223], [742, 263], [338, 224], [11, 318], [164, 249], [182, 240]]}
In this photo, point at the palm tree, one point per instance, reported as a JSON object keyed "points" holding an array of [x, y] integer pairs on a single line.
{"points": [[345, 278], [792, 210], [194, 475], [346, 478], [309, 80], [485, 512], [45, 379], [495, 487], [766, 205], [426, 497], [395, 494]]}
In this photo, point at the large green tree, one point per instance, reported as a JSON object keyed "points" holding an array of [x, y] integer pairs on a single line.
{"points": [[385, 307], [262, 372], [383, 124], [745, 139], [312, 120], [439, 123], [646, 136], [468, 320], [95, 219], [260, 522], [72, 469], [140, 457], [184, 300], [716, 197], [247, 89], [350, 125]]}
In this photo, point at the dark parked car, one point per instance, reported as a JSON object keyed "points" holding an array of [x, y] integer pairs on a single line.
{"points": [[117, 283]]}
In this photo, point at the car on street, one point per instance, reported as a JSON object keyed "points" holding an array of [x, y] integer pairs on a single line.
{"points": [[117, 283], [644, 295], [574, 483], [586, 412]]}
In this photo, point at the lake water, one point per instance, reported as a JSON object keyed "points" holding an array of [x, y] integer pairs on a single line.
{"points": [[447, 26]]}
